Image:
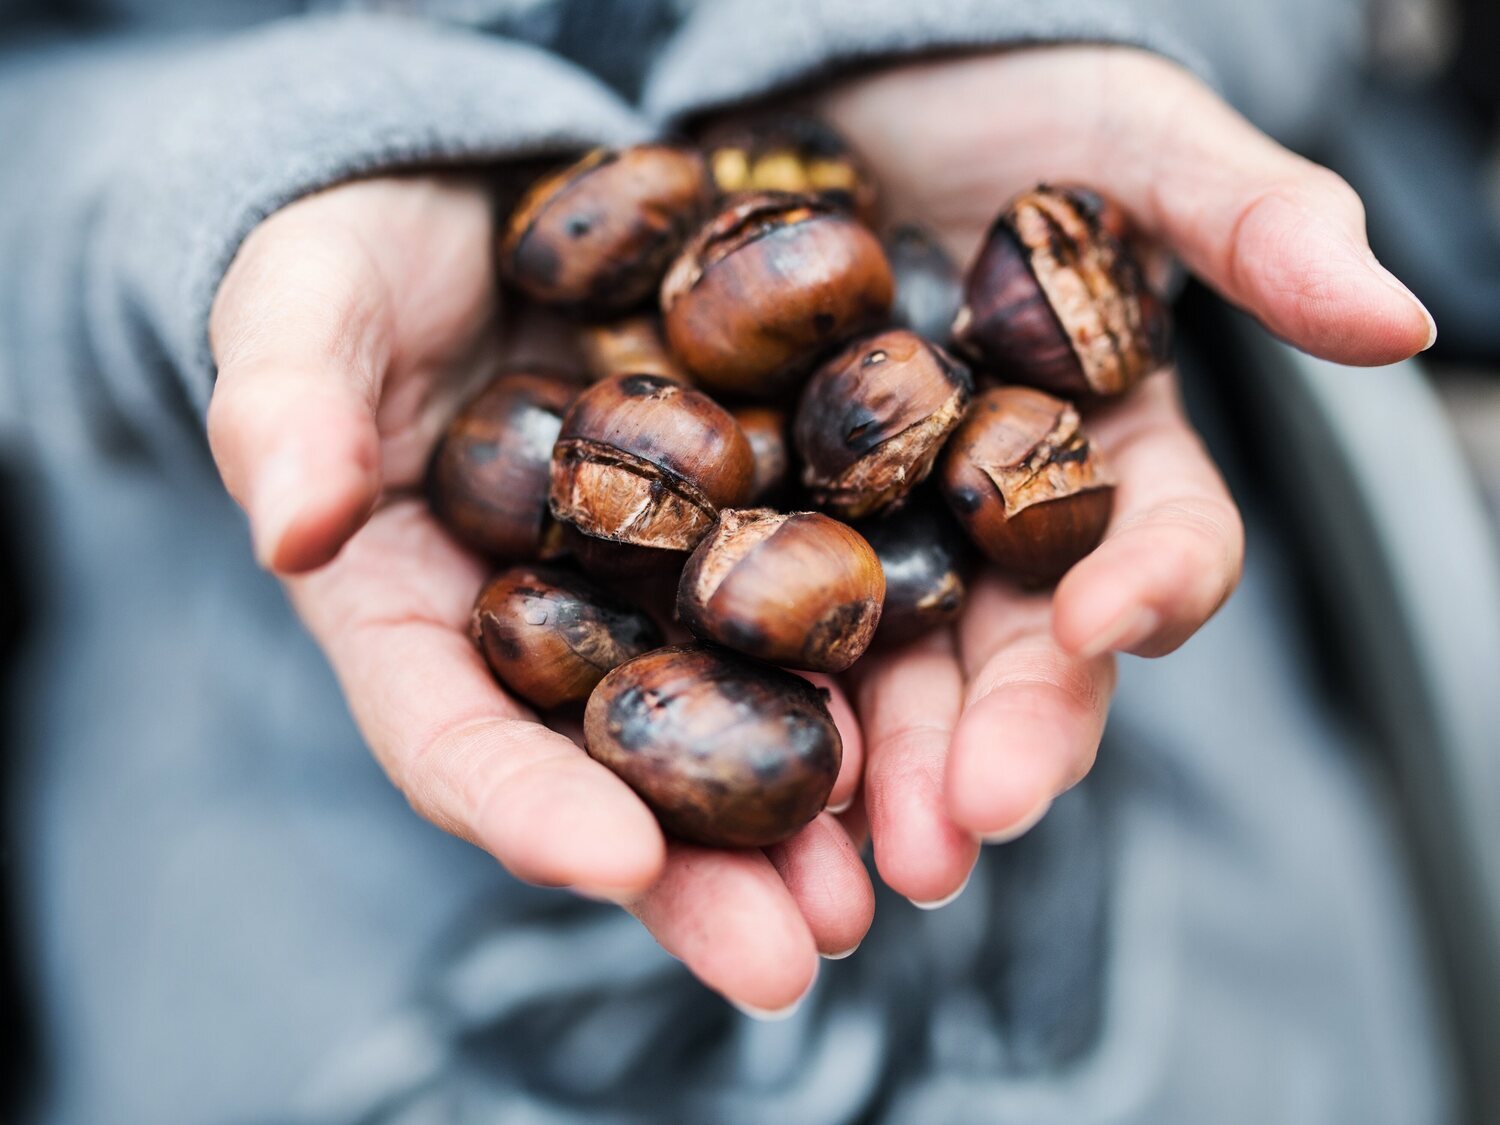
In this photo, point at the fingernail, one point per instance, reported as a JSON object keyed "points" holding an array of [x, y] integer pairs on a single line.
{"points": [[1020, 827], [775, 1015], [840, 956], [279, 489], [938, 904], [1125, 632], [1399, 286], [842, 806]]}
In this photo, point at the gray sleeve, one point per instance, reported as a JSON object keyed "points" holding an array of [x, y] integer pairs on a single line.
{"points": [[132, 169], [732, 51]]}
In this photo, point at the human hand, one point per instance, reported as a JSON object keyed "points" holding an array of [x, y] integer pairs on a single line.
{"points": [[971, 734], [344, 331]]}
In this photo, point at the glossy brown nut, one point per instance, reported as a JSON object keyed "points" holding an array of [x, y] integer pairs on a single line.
{"points": [[926, 562], [801, 590], [771, 282], [929, 284], [608, 560], [1054, 300], [1025, 483], [550, 636], [633, 345], [597, 236], [791, 152], [726, 751], [488, 478], [873, 418], [765, 428], [645, 461]]}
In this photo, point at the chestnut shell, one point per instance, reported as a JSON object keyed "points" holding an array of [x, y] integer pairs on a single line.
{"points": [[597, 236], [550, 636], [488, 478], [765, 286], [645, 461], [801, 590], [929, 284], [1055, 300], [632, 345], [873, 418], [791, 152], [1026, 484], [765, 428], [927, 563], [726, 751]]}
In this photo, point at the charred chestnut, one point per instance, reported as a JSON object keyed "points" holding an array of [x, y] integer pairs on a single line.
{"points": [[801, 590], [1054, 299], [726, 751], [929, 284], [488, 478], [873, 418], [765, 429], [770, 282], [1025, 483], [791, 152], [550, 636], [597, 235], [925, 560], [645, 461], [631, 346]]}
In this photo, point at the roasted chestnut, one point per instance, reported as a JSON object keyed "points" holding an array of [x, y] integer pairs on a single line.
{"points": [[768, 284], [1025, 483], [802, 589], [1054, 300], [873, 418], [597, 236], [791, 152], [488, 478], [929, 284], [550, 636], [646, 461], [607, 560], [630, 346], [926, 562], [765, 429], [726, 751]]}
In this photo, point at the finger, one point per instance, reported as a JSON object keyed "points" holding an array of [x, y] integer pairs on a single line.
{"points": [[300, 335], [729, 917], [909, 703], [391, 614], [1176, 544], [822, 869], [1032, 718], [851, 765]]}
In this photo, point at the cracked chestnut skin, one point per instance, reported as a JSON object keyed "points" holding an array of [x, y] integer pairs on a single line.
{"points": [[726, 751], [647, 462], [929, 284], [1023, 479], [927, 564], [488, 478], [550, 636], [799, 589], [873, 418], [765, 428], [767, 285], [791, 152], [597, 236], [1054, 299]]}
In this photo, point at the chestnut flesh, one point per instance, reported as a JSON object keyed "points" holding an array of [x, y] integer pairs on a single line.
{"points": [[1055, 300], [550, 636], [768, 284], [926, 562], [633, 345], [1024, 481], [597, 236], [801, 590], [791, 152], [873, 418], [929, 284], [488, 478], [765, 428], [726, 751], [648, 462]]}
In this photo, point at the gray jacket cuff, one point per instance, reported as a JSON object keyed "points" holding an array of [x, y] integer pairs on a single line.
{"points": [[733, 51]]}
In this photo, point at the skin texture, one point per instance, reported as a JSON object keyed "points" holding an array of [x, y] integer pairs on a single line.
{"points": [[346, 327]]}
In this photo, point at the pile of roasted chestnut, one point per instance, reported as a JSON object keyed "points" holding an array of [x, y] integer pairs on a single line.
{"points": [[761, 386]]}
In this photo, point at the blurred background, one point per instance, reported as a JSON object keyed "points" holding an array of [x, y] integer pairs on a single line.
{"points": [[1392, 501]]}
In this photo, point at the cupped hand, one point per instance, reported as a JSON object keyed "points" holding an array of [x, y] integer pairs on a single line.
{"points": [[971, 734], [344, 331]]}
